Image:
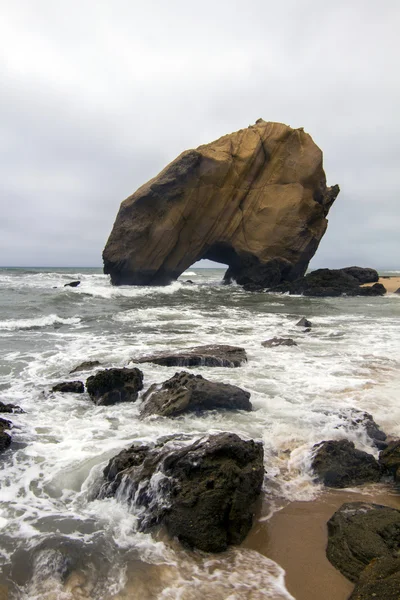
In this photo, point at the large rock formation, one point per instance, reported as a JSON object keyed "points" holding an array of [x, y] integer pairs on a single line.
{"points": [[256, 200]]}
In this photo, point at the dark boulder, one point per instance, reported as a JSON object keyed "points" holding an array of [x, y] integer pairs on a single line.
{"points": [[115, 385], [186, 392], [362, 274], [354, 419], [397, 291], [10, 408], [203, 493], [304, 323], [74, 387], [359, 532], [338, 464], [329, 282], [72, 284], [204, 356], [389, 459], [86, 366], [5, 438], [380, 580], [275, 341]]}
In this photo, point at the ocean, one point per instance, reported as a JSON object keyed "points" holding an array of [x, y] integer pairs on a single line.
{"points": [[56, 541]]}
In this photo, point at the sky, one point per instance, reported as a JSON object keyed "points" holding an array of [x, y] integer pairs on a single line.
{"points": [[98, 96]]}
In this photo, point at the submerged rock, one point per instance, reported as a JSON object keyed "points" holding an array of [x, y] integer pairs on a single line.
{"points": [[380, 580], [5, 438], [203, 493], [186, 392], [330, 282], [74, 387], [358, 533], [278, 342], [72, 284], [338, 464], [205, 356], [86, 366], [304, 323], [115, 385], [10, 408], [255, 200], [354, 419]]}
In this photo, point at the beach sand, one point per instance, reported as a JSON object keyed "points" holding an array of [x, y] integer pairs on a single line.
{"points": [[391, 283], [296, 537]]}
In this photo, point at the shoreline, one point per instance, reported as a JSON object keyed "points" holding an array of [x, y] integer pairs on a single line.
{"points": [[392, 284], [295, 537]]}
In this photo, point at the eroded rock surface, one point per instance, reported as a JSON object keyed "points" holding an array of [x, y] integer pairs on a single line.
{"points": [[203, 492], [115, 385], [380, 580], [199, 356], [338, 464], [389, 459], [358, 533], [186, 392], [255, 200]]}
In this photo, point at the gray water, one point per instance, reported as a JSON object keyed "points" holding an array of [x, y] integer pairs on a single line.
{"points": [[55, 541]]}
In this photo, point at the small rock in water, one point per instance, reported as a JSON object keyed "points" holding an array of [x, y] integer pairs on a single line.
{"points": [[187, 392], [206, 356], [115, 385], [86, 366], [204, 493], [75, 387], [304, 323], [10, 408], [358, 533], [397, 291], [338, 464], [354, 418], [72, 284], [5, 438], [278, 342]]}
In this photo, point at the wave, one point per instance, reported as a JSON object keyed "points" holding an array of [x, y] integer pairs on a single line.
{"points": [[48, 320]]}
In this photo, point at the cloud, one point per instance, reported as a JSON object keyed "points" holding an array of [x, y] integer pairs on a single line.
{"points": [[97, 97]]}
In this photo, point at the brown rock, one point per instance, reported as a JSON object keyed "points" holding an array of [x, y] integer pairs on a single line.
{"points": [[255, 199], [217, 355]]}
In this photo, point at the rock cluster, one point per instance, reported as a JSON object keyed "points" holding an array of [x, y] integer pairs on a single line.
{"points": [[255, 200]]}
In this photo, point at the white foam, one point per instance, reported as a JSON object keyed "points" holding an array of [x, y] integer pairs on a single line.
{"points": [[48, 320]]}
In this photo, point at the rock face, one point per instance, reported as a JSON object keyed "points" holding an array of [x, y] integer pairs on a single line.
{"points": [[186, 392], [203, 493], [330, 282], [200, 356], [379, 580], [359, 532], [115, 385], [255, 200], [338, 464], [389, 459]]}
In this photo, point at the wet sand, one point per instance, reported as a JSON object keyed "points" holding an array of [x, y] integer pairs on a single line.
{"points": [[391, 283], [296, 537]]}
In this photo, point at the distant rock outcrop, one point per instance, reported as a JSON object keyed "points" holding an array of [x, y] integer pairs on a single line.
{"points": [[255, 200]]}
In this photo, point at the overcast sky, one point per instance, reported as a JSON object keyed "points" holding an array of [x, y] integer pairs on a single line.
{"points": [[98, 96]]}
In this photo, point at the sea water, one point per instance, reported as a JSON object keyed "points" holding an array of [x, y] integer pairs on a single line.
{"points": [[56, 541]]}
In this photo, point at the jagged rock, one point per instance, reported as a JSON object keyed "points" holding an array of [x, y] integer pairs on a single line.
{"points": [[86, 366], [115, 385], [359, 532], [255, 200], [275, 341], [205, 356], [389, 459], [203, 493], [362, 274], [72, 284], [10, 408], [338, 464], [329, 282], [186, 392], [397, 291], [5, 438], [304, 323], [380, 580], [74, 387], [353, 418]]}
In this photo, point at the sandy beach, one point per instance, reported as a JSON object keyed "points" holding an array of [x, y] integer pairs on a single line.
{"points": [[391, 283], [296, 537]]}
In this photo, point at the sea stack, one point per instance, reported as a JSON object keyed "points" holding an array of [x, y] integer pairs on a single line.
{"points": [[256, 200]]}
